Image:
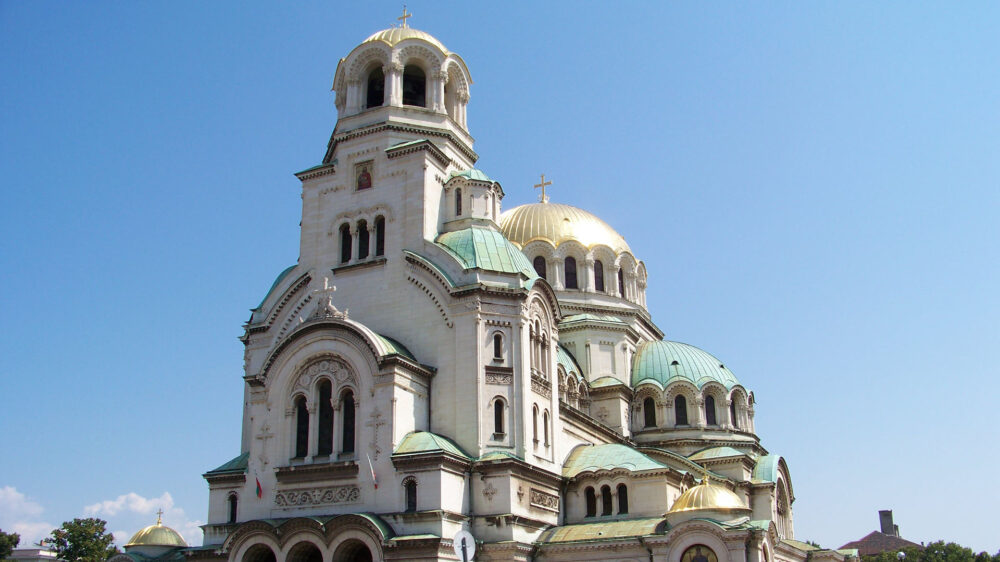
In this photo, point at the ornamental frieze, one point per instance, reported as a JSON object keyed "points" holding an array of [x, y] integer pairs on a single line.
{"points": [[317, 496], [543, 500]]}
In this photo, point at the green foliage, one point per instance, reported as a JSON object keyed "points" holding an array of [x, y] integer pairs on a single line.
{"points": [[84, 540], [8, 542], [939, 551]]}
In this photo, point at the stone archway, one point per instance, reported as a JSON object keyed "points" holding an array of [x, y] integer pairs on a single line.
{"points": [[352, 550], [259, 553], [304, 551]]}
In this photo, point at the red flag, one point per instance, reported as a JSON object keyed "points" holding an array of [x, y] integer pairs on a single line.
{"points": [[372, 467], [260, 491]]}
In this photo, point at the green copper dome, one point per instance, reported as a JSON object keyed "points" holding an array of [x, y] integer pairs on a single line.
{"points": [[480, 247], [667, 361]]}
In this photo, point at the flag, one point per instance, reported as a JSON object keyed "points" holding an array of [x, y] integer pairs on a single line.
{"points": [[260, 491], [372, 467]]}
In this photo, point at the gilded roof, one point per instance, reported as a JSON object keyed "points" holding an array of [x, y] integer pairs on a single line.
{"points": [[667, 361], [157, 535], [609, 456], [708, 496], [480, 247], [395, 35], [556, 223]]}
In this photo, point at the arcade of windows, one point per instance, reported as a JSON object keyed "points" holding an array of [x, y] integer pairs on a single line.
{"points": [[356, 241], [607, 501], [709, 411], [327, 439], [571, 271]]}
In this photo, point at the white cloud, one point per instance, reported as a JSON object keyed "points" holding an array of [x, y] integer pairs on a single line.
{"points": [[20, 515], [132, 502], [136, 512]]}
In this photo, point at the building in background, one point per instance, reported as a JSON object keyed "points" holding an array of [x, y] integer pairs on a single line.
{"points": [[886, 539]]}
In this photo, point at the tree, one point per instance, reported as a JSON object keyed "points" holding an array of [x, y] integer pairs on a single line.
{"points": [[939, 551], [8, 542], [84, 540]]}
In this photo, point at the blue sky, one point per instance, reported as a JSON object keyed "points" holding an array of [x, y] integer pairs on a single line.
{"points": [[813, 187]]}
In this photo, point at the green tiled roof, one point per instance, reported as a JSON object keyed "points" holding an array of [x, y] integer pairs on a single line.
{"points": [[426, 442], [566, 359], [396, 348], [604, 530], [472, 174], [479, 247], [716, 453], [608, 456], [591, 317], [606, 380], [766, 469], [279, 279], [498, 456], [667, 361], [239, 464]]}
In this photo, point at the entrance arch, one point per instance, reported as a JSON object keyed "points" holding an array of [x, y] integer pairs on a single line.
{"points": [[259, 553], [352, 550], [305, 551]]}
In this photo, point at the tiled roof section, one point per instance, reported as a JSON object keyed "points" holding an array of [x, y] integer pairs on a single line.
{"points": [[277, 281], [876, 542], [604, 531], [608, 456], [666, 361], [766, 469], [426, 442], [716, 453], [591, 317], [396, 348], [237, 465], [472, 174], [566, 359], [479, 247]]}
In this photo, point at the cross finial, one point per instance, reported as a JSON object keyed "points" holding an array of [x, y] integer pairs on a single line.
{"points": [[159, 517], [543, 198], [404, 17]]}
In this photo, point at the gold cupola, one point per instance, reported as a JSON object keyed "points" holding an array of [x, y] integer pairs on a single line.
{"points": [[156, 536], [707, 500], [556, 223]]}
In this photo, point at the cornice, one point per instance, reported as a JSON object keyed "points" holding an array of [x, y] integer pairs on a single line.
{"points": [[570, 412], [365, 130], [412, 148], [314, 472]]}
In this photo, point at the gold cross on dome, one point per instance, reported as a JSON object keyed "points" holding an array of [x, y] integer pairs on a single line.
{"points": [[159, 516], [404, 17], [544, 198]]}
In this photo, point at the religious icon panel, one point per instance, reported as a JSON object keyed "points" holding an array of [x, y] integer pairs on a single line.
{"points": [[699, 553], [363, 173]]}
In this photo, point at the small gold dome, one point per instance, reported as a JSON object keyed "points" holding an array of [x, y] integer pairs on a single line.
{"points": [[394, 35], [556, 223], [157, 535], [706, 496]]}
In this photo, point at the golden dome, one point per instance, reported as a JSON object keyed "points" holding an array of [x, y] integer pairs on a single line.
{"points": [[555, 224], [394, 35], [708, 497], [157, 535]]}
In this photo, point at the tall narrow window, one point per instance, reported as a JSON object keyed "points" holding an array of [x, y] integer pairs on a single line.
{"points": [[362, 240], [301, 428], [497, 347], [345, 243], [621, 283], [710, 418], [498, 417], [539, 264], [732, 414], [325, 419], [606, 503], [545, 427], [380, 236], [411, 495], [599, 276], [570, 273], [414, 86], [458, 202], [622, 498], [232, 508], [534, 424], [681, 410], [649, 412], [347, 400], [376, 88], [591, 501]]}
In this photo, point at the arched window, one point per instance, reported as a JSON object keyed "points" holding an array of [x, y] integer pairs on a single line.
{"points": [[606, 506], [710, 411], [301, 428], [681, 410], [458, 201], [622, 498], [534, 424], [414, 86], [376, 88], [621, 283], [498, 417], [539, 264], [498, 346], [232, 508], [380, 236], [591, 501], [598, 276], [545, 427], [649, 412], [325, 418], [362, 240], [732, 414], [347, 401], [570, 264], [345, 243], [411, 494]]}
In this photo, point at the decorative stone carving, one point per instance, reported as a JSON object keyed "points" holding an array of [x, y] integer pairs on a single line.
{"points": [[317, 496], [375, 422], [263, 435], [543, 500], [327, 365], [540, 386], [489, 491], [324, 304]]}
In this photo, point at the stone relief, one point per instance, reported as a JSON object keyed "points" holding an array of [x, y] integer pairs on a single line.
{"points": [[543, 500], [334, 368], [317, 496]]}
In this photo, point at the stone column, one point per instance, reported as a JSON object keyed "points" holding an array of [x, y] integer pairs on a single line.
{"points": [[313, 430], [353, 96], [699, 412], [588, 274], [725, 419], [393, 83], [463, 102], [437, 85], [355, 243]]}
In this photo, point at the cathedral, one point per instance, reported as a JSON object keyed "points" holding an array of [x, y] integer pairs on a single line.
{"points": [[438, 378]]}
